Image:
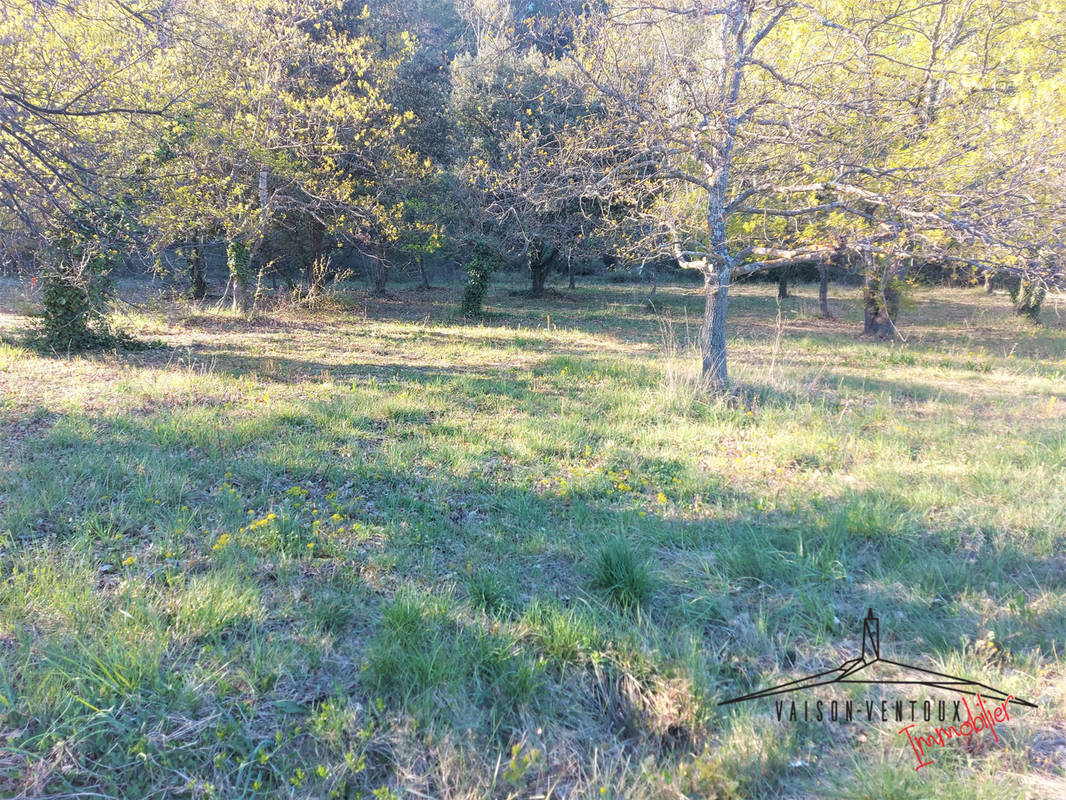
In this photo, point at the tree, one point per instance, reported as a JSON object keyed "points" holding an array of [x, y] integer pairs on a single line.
{"points": [[288, 125], [519, 112], [746, 115], [79, 90]]}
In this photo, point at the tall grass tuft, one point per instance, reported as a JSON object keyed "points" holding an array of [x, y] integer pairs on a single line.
{"points": [[622, 574]]}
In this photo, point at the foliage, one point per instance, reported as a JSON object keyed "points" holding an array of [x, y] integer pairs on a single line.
{"points": [[1027, 296], [483, 262], [83, 83]]}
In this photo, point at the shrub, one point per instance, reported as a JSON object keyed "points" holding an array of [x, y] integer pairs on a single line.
{"points": [[76, 285]]}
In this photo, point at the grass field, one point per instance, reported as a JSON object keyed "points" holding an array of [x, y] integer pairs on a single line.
{"points": [[375, 551]]}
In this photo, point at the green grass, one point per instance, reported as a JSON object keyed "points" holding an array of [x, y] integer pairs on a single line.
{"points": [[376, 548], [622, 574]]}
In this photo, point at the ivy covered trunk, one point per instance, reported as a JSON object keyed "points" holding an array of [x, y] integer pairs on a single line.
{"points": [[484, 261], [75, 290], [72, 316], [238, 258], [540, 259], [880, 298]]}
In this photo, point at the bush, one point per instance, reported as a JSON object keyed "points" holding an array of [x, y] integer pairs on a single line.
{"points": [[486, 260], [76, 286], [72, 316]]}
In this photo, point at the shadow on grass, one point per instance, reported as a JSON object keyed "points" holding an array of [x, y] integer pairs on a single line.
{"points": [[390, 601]]}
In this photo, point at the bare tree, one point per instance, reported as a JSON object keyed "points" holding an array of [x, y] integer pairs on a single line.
{"points": [[519, 109], [849, 124]]}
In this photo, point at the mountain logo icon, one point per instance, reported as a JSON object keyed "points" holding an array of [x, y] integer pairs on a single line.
{"points": [[866, 669]]}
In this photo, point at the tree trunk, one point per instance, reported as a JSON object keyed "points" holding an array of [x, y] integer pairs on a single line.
{"points": [[875, 318], [241, 297], [880, 300], [823, 289], [712, 330], [421, 259], [570, 267], [538, 275], [540, 266], [196, 270], [317, 251], [379, 271], [782, 283], [989, 283], [242, 291]]}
